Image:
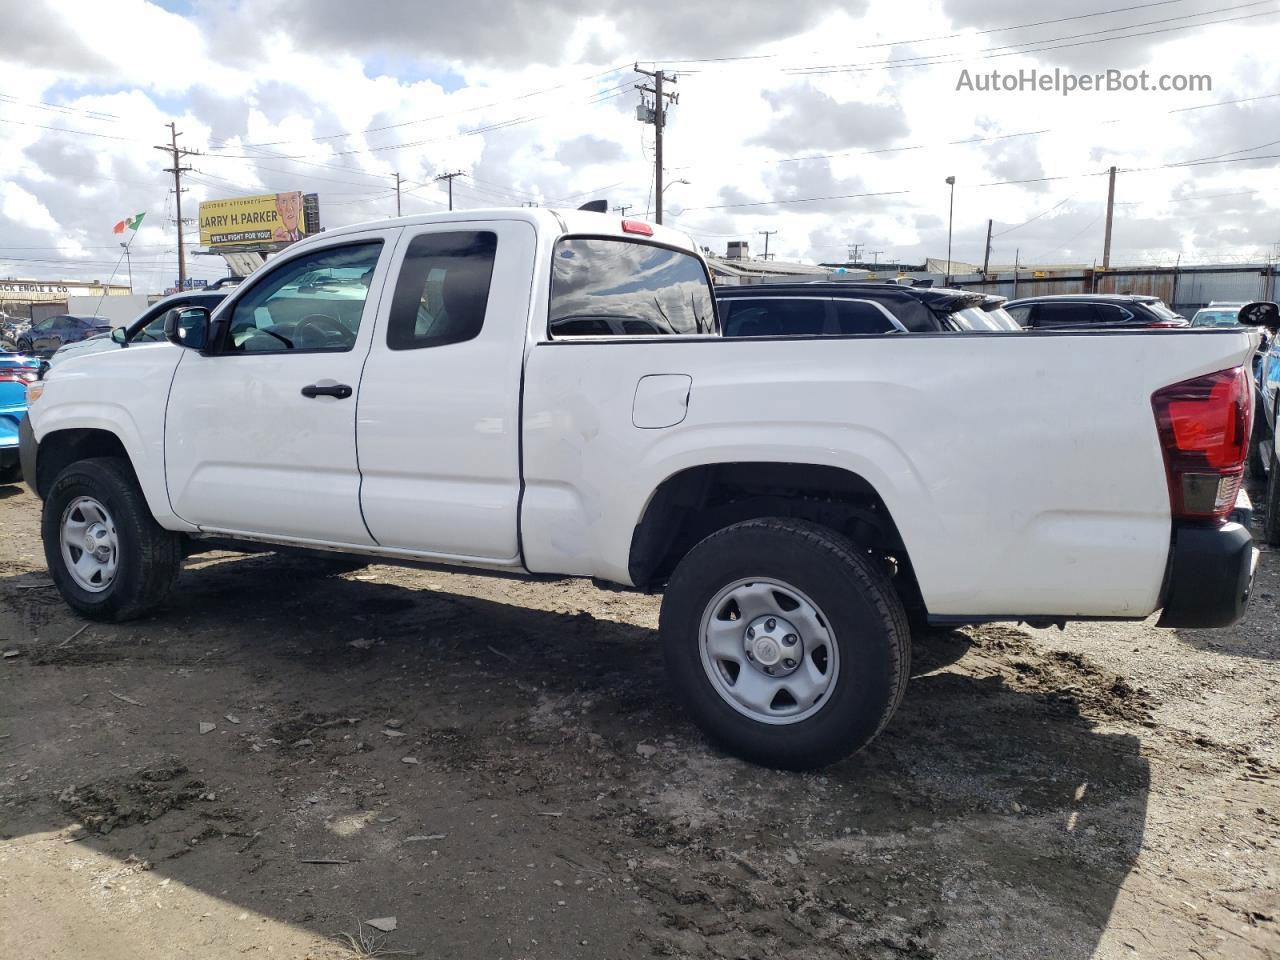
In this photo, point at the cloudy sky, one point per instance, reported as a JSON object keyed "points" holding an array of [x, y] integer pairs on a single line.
{"points": [[831, 123]]}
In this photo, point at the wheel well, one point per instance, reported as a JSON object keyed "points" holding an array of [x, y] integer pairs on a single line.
{"points": [[60, 449], [694, 503]]}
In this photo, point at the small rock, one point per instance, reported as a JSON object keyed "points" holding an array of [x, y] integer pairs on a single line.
{"points": [[304, 742], [1017, 807], [425, 836], [392, 733], [361, 644], [385, 924], [408, 759], [231, 718], [209, 796], [207, 727], [646, 750], [394, 724], [9, 654]]}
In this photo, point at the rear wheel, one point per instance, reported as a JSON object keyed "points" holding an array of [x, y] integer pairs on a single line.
{"points": [[107, 556], [788, 647]]}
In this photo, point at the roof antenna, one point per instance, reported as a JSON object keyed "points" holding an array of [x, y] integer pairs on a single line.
{"points": [[595, 206]]}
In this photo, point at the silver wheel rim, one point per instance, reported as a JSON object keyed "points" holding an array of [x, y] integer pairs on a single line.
{"points": [[768, 651], [90, 548]]}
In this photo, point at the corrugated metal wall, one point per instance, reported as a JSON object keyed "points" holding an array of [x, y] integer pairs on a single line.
{"points": [[1185, 289]]}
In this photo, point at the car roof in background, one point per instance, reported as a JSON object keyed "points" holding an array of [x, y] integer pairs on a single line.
{"points": [[1089, 298], [942, 298]]}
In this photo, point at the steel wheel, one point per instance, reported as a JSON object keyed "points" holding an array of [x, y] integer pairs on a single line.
{"points": [[768, 651], [90, 546]]}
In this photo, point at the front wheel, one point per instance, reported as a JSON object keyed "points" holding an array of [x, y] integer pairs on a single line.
{"points": [[107, 556], [786, 644]]}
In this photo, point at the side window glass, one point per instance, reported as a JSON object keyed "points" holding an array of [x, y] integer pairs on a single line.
{"points": [[1059, 314], [312, 303], [1019, 314], [1110, 313], [443, 289], [776, 317], [855, 316]]}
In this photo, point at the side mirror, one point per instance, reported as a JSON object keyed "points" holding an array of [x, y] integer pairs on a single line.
{"points": [[121, 336], [1262, 313], [187, 327]]}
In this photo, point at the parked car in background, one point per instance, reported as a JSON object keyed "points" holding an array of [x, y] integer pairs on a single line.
{"points": [[843, 309], [10, 329], [1217, 314], [1093, 311], [44, 338], [148, 328], [16, 371]]}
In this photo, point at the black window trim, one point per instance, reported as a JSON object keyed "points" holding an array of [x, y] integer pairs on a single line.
{"points": [[648, 242], [228, 306]]}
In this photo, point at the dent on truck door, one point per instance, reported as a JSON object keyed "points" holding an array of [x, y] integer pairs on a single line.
{"points": [[438, 422], [260, 435]]}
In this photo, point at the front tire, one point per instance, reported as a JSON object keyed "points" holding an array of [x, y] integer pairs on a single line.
{"points": [[787, 645], [107, 556]]}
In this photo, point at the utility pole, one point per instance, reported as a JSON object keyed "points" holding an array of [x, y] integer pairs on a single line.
{"points": [[129, 260], [1111, 202], [875, 258], [986, 253], [766, 234], [855, 250], [951, 209], [398, 182], [657, 115], [177, 171], [449, 177], [622, 208]]}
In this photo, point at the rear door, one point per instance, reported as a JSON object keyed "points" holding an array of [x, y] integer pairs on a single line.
{"points": [[260, 435], [439, 408]]}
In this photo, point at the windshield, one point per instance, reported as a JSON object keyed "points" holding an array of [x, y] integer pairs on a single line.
{"points": [[1215, 318], [974, 318], [623, 288]]}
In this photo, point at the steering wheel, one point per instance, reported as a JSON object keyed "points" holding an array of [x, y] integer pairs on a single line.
{"points": [[324, 330]]}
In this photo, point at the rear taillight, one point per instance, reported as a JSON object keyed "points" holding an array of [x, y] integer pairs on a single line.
{"points": [[17, 376], [1204, 429]]}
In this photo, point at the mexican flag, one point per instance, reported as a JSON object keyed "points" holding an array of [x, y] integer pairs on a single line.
{"points": [[131, 223]]}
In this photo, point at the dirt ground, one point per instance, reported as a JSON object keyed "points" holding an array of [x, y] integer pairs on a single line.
{"points": [[496, 764]]}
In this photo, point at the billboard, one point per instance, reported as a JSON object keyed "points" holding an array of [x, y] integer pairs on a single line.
{"points": [[269, 218]]}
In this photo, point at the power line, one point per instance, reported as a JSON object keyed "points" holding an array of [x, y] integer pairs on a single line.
{"points": [[933, 61]]}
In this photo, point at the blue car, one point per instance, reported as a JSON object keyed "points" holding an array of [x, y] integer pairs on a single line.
{"points": [[16, 371]]}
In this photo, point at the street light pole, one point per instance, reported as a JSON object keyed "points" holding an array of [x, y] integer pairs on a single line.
{"points": [[951, 209]]}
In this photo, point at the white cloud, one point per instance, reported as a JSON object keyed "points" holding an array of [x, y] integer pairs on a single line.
{"points": [[536, 102]]}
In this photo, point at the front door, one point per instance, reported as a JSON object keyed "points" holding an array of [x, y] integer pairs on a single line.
{"points": [[260, 435]]}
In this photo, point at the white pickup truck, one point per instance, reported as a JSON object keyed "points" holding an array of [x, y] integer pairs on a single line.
{"points": [[546, 392]]}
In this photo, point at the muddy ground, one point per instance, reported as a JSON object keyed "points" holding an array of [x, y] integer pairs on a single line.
{"points": [[497, 765]]}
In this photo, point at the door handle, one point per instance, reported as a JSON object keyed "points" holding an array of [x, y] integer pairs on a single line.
{"points": [[339, 390]]}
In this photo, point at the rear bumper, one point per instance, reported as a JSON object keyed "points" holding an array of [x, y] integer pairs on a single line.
{"points": [[1211, 571]]}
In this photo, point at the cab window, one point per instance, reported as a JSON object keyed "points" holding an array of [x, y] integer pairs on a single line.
{"points": [[611, 287], [313, 303]]}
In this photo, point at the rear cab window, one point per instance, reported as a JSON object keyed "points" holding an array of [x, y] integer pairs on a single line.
{"points": [[613, 287]]}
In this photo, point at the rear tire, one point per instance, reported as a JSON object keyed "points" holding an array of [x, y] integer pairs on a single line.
{"points": [[98, 501], [832, 609]]}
